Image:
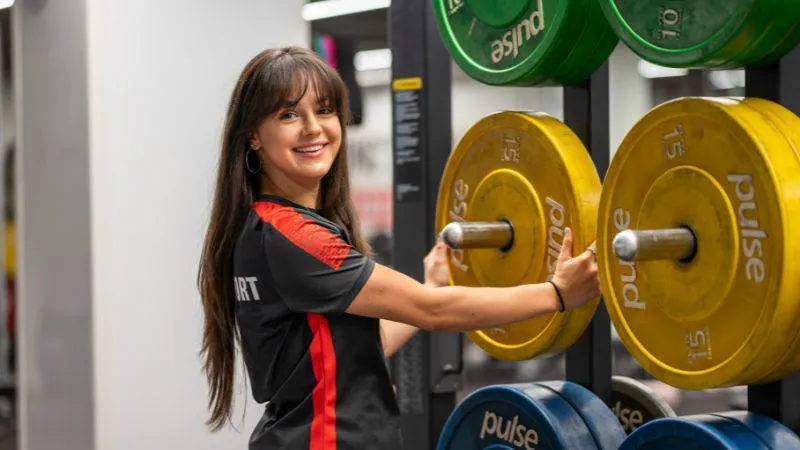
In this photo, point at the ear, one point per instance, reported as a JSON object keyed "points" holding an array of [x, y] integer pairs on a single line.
{"points": [[255, 142]]}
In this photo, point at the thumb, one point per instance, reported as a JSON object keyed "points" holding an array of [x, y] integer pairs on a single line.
{"points": [[566, 246]]}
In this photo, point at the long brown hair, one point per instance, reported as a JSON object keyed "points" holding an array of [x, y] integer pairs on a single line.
{"points": [[273, 79]]}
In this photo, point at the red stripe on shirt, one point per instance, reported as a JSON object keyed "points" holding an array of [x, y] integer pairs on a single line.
{"points": [[323, 359], [314, 239]]}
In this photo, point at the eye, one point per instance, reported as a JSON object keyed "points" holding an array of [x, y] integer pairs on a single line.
{"points": [[326, 110], [288, 115]]}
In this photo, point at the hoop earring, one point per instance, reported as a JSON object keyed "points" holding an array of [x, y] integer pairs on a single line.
{"points": [[247, 162]]}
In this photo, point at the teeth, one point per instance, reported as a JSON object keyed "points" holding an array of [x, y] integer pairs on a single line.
{"points": [[310, 149]]}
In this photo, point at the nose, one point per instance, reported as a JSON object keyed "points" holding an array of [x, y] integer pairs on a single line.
{"points": [[312, 125]]}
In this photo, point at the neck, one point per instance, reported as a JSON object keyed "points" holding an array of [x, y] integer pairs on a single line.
{"points": [[307, 195]]}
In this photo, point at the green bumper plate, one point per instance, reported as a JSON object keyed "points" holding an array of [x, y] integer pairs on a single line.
{"points": [[706, 33], [526, 42]]}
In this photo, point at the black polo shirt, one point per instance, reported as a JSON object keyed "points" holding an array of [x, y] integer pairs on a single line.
{"points": [[321, 370]]}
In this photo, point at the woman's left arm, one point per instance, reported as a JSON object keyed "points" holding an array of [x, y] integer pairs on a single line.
{"points": [[394, 335]]}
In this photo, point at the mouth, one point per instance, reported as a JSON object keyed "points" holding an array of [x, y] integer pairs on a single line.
{"points": [[312, 149]]}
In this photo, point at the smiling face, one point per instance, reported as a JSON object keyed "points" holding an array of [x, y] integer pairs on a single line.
{"points": [[299, 142]]}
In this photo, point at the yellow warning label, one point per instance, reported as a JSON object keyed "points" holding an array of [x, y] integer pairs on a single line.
{"points": [[407, 84]]}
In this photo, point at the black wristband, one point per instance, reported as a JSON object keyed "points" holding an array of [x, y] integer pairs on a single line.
{"points": [[561, 307]]}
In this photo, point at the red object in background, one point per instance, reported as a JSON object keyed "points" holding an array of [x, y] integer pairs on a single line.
{"points": [[374, 208]]}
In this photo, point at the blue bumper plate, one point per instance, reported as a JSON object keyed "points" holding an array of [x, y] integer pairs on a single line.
{"points": [[601, 421], [518, 417], [728, 431]]}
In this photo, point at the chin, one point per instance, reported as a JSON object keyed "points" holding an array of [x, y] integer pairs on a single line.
{"points": [[316, 170], [311, 176]]}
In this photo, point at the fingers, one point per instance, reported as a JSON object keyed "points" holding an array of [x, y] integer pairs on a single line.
{"points": [[566, 246], [439, 250], [591, 253], [438, 247], [437, 255], [579, 274]]}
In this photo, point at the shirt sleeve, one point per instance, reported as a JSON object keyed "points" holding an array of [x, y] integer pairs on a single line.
{"points": [[313, 269]]}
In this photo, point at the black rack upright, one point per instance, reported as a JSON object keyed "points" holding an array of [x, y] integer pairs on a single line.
{"points": [[586, 113], [428, 370], [777, 82]]}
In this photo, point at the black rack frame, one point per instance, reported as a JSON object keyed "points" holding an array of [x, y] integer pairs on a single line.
{"points": [[586, 113], [428, 370], [777, 82]]}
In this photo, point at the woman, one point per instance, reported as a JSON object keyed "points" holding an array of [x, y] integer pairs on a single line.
{"points": [[286, 273]]}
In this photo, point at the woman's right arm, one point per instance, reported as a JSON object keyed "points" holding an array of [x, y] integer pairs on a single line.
{"points": [[391, 295]]}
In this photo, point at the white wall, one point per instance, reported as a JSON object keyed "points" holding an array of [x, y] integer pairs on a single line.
{"points": [[631, 94], [161, 73], [121, 108]]}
